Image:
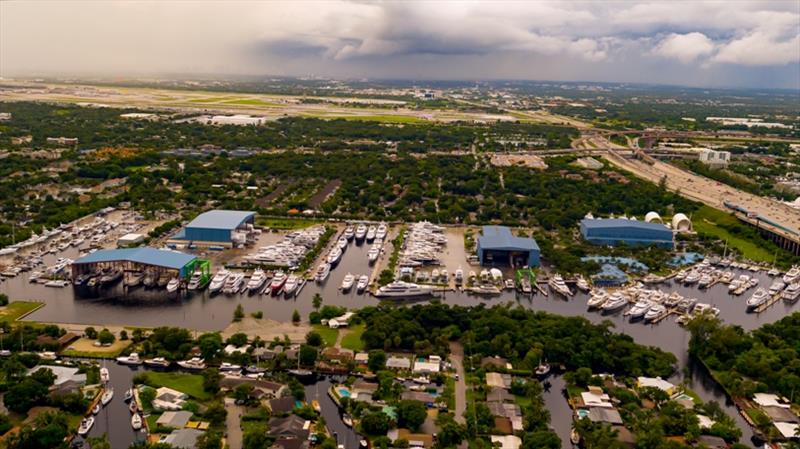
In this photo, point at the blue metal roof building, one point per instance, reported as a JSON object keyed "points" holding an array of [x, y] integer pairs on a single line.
{"points": [[497, 244], [171, 260], [616, 231], [216, 226]]}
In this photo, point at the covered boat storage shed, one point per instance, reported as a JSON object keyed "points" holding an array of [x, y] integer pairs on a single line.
{"points": [[137, 259], [497, 245], [619, 231], [217, 228]]}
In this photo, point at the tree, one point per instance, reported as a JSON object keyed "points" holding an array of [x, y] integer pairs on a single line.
{"points": [[211, 378], [216, 414], [90, 333], [123, 335], [238, 313], [208, 440], [376, 360], [210, 345], [375, 423], [24, 395], [296, 317], [242, 392], [307, 355], [411, 414], [105, 337], [3, 299], [255, 439], [316, 301], [541, 439], [100, 442], [313, 338], [238, 339], [48, 431]]}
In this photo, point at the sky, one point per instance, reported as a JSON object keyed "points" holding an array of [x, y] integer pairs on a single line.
{"points": [[695, 43]]}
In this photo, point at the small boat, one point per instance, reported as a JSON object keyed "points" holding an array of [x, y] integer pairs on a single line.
{"points": [[758, 298], [132, 359], [229, 367], [315, 405], [574, 436], [458, 277], [96, 409], [347, 282], [104, 375], [362, 443], [86, 426], [347, 420], [136, 421], [173, 285], [543, 369], [323, 270], [158, 362], [290, 287], [486, 290], [128, 395], [107, 396], [193, 364], [363, 283], [132, 407], [134, 279]]}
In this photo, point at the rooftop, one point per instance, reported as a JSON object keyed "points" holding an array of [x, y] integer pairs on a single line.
{"points": [[601, 223], [500, 237], [221, 219], [149, 256]]}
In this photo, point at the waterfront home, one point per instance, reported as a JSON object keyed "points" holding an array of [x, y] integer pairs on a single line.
{"points": [[182, 438], [398, 363], [655, 382], [174, 419], [169, 399], [415, 440], [497, 394], [512, 412], [429, 366], [63, 374], [363, 388], [498, 380], [426, 398], [290, 432], [268, 388], [337, 355], [264, 354], [604, 415], [595, 398], [361, 358], [506, 441], [282, 405]]}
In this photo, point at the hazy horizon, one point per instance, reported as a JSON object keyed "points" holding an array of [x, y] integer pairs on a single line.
{"points": [[694, 44]]}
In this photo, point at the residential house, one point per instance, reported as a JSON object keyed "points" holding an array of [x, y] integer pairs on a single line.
{"points": [[289, 427], [282, 405], [268, 388], [421, 396], [506, 441], [498, 380], [398, 363], [337, 355], [169, 399], [174, 419], [63, 374], [604, 415], [182, 438], [655, 382]]}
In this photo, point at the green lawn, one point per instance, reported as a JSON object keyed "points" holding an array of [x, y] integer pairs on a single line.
{"points": [[285, 223], [352, 339], [329, 335], [708, 220], [17, 309], [191, 384], [253, 102]]}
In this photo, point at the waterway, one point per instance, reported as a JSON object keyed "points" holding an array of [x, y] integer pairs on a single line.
{"points": [[330, 411], [203, 312]]}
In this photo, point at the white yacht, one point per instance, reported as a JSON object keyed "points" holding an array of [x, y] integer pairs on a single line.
{"points": [[792, 292], [86, 426], [614, 302], [334, 256], [372, 254], [323, 270], [361, 232], [342, 243], [226, 367], [655, 312], [196, 281], [758, 298], [371, 233], [705, 281], [559, 286], [776, 287], [132, 359], [173, 285], [218, 281], [400, 289], [692, 277], [638, 310], [673, 299], [233, 284], [349, 233], [257, 280], [380, 233], [290, 287], [158, 362], [347, 282], [792, 275], [107, 396], [363, 283], [277, 282], [136, 421], [582, 284], [597, 299], [194, 364], [458, 277]]}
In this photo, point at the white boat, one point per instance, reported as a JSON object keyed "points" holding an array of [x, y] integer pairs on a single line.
{"points": [[361, 232], [104, 375], [458, 277], [614, 302], [758, 298], [558, 285], [638, 310], [218, 281], [372, 254], [776, 287], [705, 281], [655, 312], [195, 364], [136, 421], [234, 283], [792, 292], [673, 299], [132, 359], [323, 270], [792, 275], [597, 299], [277, 282], [363, 283], [86, 426], [173, 285], [334, 256], [582, 284], [342, 243], [349, 233], [290, 287], [435, 275], [680, 276], [107, 396], [400, 289], [96, 409], [773, 272], [371, 233], [692, 277], [347, 420], [380, 233], [257, 280], [128, 395], [229, 367], [486, 290], [158, 362], [347, 282]]}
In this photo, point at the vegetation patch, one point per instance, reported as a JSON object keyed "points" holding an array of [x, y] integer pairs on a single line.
{"points": [[352, 339], [17, 309], [191, 384], [328, 334]]}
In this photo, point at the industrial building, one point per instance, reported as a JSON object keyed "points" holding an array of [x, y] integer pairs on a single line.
{"points": [[143, 259], [497, 246], [715, 159], [617, 231], [223, 228]]}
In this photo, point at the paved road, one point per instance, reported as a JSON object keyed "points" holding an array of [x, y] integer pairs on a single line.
{"points": [[233, 424], [457, 358]]}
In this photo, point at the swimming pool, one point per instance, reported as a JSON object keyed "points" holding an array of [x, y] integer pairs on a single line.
{"points": [[582, 413], [344, 392]]}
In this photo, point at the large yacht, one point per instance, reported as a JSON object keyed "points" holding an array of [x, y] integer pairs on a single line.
{"points": [[615, 302], [363, 283], [776, 287], [347, 282], [792, 292], [291, 284], [371, 233], [234, 283], [335, 255], [195, 364], [218, 281], [402, 289], [349, 233], [257, 280], [759, 297], [559, 286], [323, 270], [277, 282], [132, 359], [792, 275], [380, 233], [361, 232], [196, 281]]}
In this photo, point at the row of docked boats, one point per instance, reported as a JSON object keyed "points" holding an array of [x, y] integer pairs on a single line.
{"points": [[52, 241], [423, 244], [363, 232], [258, 282], [361, 283], [646, 304], [290, 251]]}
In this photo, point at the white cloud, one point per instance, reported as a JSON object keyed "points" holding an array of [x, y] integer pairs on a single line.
{"points": [[685, 48], [760, 48]]}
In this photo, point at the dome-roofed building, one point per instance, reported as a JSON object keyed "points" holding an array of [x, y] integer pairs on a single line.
{"points": [[653, 217], [681, 223]]}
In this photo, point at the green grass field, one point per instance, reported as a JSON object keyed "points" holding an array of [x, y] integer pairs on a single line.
{"points": [[253, 102], [352, 339], [708, 220], [13, 311], [285, 223], [191, 384], [329, 335]]}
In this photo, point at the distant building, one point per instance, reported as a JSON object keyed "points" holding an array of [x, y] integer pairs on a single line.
{"points": [[238, 119], [619, 231], [138, 116], [140, 259], [217, 228], [182, 438], [715, 158], [498, 245], [5, 116], [66, 141], [21, 140], [130, 240]]}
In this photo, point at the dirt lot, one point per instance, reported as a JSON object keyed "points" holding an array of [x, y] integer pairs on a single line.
{"points": [[268, 329], [86, 345]]}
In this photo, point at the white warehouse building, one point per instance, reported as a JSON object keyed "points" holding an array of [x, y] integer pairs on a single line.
{"points": [[715, 158]]}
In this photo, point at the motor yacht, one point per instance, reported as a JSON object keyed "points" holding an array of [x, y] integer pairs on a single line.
{"points": [[400, 289], [96, 409], [226, 367], [363, 283], [361, 232], [193, 364], [107, 396], [349, 233], [692, 277], [132, 359], [582, 284], [680, 276], [290, 287], [686, 305], [86, 426], [158, 362], [173, 285], [792, 275], [458, 277], [257, 280], [218, 281], [233, 284], [558, 285], [380, 233], [673, 299], [342, 243], [136, 421], [347, 282], [705, 281], [759, 297], [638, 310], [486, 290], [322, 272], [597, 299], [371, 233], [277, 282], [792, 292], [776, 287], [655, 312], [372, 254], [526, 285], [334, 256], [614, 302]]}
